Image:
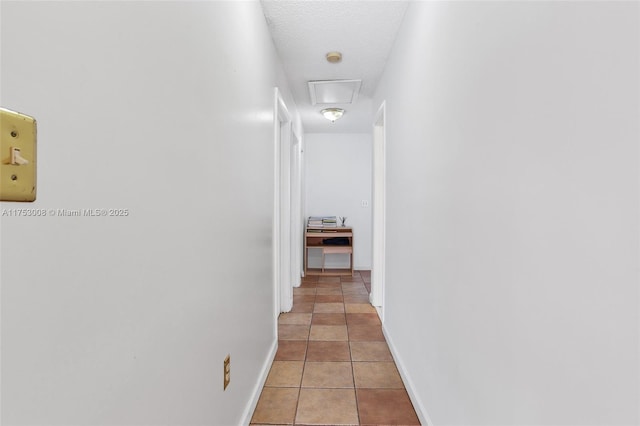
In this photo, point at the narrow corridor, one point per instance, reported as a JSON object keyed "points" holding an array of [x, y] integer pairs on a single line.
{"points": [[333, 365]]}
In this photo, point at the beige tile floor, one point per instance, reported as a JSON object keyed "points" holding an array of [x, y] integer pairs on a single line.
{"points": [[333, 365]]}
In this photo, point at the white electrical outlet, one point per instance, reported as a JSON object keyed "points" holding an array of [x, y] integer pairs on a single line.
{"points": [[227, 371]]}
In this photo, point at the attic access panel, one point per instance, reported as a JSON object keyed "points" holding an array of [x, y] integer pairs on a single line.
{"points": [[334, 91]]}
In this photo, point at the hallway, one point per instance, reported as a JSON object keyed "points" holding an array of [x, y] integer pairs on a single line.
{"points": [[333, 365], [511, 212]]}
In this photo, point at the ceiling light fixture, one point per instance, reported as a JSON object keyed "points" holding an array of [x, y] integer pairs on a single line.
{"points": [[334, 57], [332, 113]]}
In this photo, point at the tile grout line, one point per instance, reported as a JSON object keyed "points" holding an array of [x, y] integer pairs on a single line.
{"points": [[304, 366], [353, 373], [304, 362]]}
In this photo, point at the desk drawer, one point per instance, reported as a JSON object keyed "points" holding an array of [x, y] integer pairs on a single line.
{"points": [[336, 249], [328, 234]]}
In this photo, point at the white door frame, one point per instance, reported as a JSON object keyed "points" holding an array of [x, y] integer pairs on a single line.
{"points": [[379, 209], [281, 219], [303, 204], [297, 243]]}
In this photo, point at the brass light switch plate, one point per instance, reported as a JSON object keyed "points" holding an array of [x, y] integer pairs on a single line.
{"points": [[17, 156]]}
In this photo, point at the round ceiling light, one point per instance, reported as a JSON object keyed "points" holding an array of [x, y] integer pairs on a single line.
{"points": [[334, 57], [332, 114]]}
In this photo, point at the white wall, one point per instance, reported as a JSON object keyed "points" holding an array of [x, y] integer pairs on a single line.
{"points": [[512, 211], [164, 109], [337, 179]]}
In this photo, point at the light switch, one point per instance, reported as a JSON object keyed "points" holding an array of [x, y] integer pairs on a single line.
{"points": [[17, 156]]}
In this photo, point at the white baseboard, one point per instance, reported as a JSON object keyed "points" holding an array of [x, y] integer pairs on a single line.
{"points": [[361, 267], [421, 411], [262, 378]]}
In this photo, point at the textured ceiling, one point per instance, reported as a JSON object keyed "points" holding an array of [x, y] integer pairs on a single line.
{"points": [[304, 31]]}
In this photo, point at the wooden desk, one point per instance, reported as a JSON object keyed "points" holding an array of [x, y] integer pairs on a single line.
{"points": [[315, 239]]}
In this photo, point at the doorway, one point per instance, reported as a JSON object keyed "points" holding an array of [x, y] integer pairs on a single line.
{"points": [[282, 264], [379, 210]]}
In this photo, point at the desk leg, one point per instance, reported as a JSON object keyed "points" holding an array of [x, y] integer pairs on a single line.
{"points": [[323, 260], [351, 262]]}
